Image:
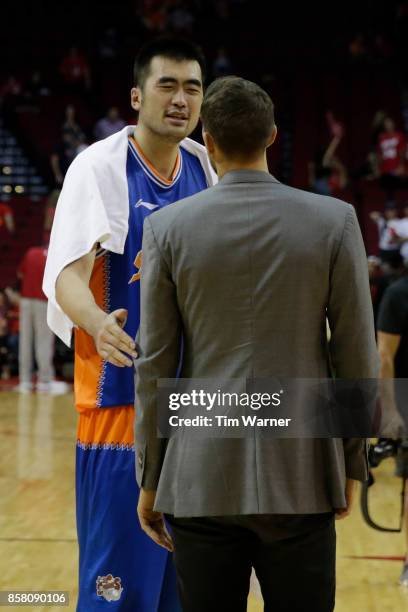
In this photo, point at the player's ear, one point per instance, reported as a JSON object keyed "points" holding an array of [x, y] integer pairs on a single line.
{"points": [[135, 98], [272, 136], [209, 142]]}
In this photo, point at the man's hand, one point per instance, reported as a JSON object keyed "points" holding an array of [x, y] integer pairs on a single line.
{"points": [[152, 522], [112, 343], [76, 299], [342, 513]]}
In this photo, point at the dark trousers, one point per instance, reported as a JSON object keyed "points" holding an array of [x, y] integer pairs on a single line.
{"points": [[293, 557]]}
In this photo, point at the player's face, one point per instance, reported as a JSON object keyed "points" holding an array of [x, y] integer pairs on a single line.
{"points": [[170, 101]]}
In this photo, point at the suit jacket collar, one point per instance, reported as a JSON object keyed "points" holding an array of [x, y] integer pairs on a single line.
{"points": [[247, 176]]}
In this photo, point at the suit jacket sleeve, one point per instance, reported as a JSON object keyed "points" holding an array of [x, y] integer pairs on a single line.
{"points": [[352, 345], [159, 352]]}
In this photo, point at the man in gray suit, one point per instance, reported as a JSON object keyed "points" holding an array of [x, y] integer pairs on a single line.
{"points": [[246, 273]]}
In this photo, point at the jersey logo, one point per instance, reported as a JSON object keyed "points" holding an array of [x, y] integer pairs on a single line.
{"points": [[147, 205], [138, 264], [109, 588]]}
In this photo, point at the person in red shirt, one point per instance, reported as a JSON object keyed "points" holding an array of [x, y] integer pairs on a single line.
{"points": [[34, 330], [391, 148], [327, 174]]}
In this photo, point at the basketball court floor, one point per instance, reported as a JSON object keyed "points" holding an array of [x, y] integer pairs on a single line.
{"points": [[37, 515]]}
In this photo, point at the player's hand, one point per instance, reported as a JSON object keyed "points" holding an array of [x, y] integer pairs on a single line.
{"points": [[152, 522], [112, 343], [341, 513]]}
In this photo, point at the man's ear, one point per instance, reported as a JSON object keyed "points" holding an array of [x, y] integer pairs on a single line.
{"points": [[272, 136], [135, 98], [209, 142]]}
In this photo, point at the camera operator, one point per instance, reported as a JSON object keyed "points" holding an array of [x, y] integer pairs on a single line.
{"points": [[392, 327]]}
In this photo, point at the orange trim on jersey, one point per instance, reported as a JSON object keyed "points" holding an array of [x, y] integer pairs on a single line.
{"points": [[138, 264], [88, 364], [153, 169], [107, 426]]}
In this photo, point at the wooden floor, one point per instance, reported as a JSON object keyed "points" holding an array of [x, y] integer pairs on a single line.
{"points": [[37, 514]]}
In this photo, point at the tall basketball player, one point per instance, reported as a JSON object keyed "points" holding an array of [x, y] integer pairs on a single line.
{"points": [[92, 281]]}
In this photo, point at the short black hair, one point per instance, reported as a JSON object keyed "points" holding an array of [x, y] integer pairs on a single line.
{"points": [[239, 116], [178, 49]]}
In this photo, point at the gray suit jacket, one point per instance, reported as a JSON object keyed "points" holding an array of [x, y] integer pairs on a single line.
{"points": [[247, 271]]}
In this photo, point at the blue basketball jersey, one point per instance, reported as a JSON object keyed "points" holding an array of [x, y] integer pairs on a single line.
{"points": [[115, 278]]}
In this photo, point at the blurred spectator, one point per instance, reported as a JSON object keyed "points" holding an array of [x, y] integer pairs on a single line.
{"points": [[6, 220], [222, 63], [377, 126], [108, 125], [75, 69], [327, 174], [369, 169], [34, 331], [401, 230], [4, 350], [388, 243], [70, 124], [36, 87], [180, 18], [62, 157], [391, 149]]}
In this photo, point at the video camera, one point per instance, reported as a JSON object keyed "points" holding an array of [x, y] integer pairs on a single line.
{"points": [[388, 447]]}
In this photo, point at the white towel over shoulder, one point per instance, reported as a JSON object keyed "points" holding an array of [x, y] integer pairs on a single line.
{"points": [[94, 207]]}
